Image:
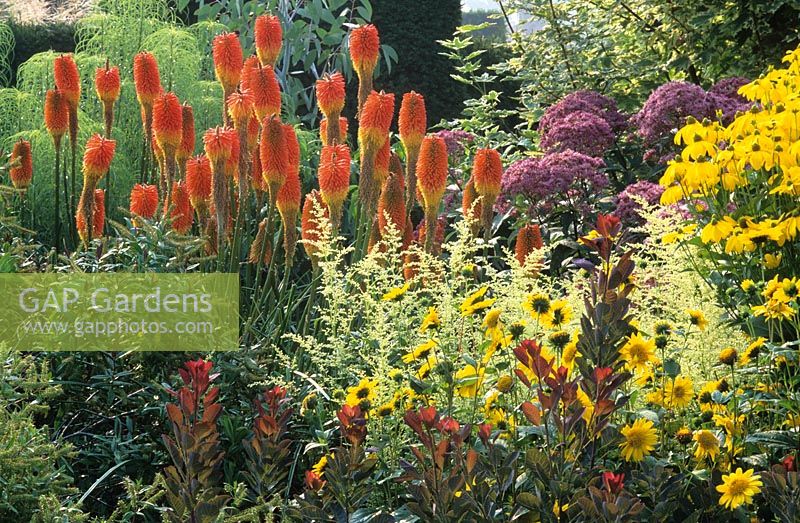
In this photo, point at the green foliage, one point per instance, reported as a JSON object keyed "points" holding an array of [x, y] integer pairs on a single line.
{"points": [[6, 53], [31, 465], [497, 31], [30, 39], [413, 29]]}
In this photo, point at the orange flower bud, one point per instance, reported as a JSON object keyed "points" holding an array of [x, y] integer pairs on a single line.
{"points": [[257, 247], [274, 154], [376, 118], [107, 84], [266, 91], [331, 94], [68, 80], [218, 144], [98, 216], [144, 200], [323, 130], [487, 171], [186, 148], [257, 181], [310, 227], [292, 148], [269, 39], [289, 196], [181, 213], [253, 128], [97, 157], [334, 177], [228, 60], [529, 238], [21, 172], [249, 64], [146, 78], [392, 204], [240, 108], [432, 169], [382, 162], [413, 121], [232, 163], [168, 122], [56, 114], [365, 46], [198, 181]]}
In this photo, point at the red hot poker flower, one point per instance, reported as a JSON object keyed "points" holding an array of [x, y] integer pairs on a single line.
{"points": [[168, 122], [228, 60], [266, 91], [198, 182], [529, 238], [432, 169], [334, 178], [376, 118], [269, 39], [331, 94], [181, 213], [413, 121], [97, 157], [56, 114], [487, 170], [68, 80], [98, 216], [144, 200], [274, 154], [107, 84], [186, 148], [365, 46], [146, 78], [240, 108], [21, 172]]}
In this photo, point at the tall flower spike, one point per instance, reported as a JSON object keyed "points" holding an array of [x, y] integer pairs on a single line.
{"points": [[258, 247], [471, 206], [228, 62], [144, 200], [334, 179], [274, 155], [373, 132], [98, 216], [313, 207], [21, 172], [56, 115], [253, 131], [529, 238], [391, 204], [198, 182], [250, 63], [186, 149], [107, 85], [168, 122], [432, 169], [289, 196], [365, 46], [97, 157], [269, 39], [240, 108], [266, 92], [219, 145], [487, 172], [181, 211], [146, 78], [330, 98], [412, 124], [382, 163], [323, 130], [257, 181], [68, 81]]}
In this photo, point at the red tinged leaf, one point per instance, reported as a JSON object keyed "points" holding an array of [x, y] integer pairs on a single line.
{"points": [[523, 377], [531, 413], [174, 413], [212, 394], [211, 414]]}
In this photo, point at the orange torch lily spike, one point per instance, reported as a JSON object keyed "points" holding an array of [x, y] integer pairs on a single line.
{"points": [[412, 124], [330, 98], [487, 171], [266, 91], [471, 206], [107, 85], [432, 169], [68, 82], [144, 201], [529, 239], [323, 130], [21, 172], [56, 120], [98, 217], [186, 149], [218, 145], [97, 157], [365, 46], [228, 62], [373, 132], [168, 132], [198, 183], [391, 204], [289, 196], [334, 179], [181, 209], [268, 38]]}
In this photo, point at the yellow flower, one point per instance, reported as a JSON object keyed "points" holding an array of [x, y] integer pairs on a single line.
{"points": [[748, 285], [385, 410], [496, 343], [738, 488], [363, 394], [475, 302], [396, 293], [319, 466], [586, 403], [403, 399], [638, 352], [430, 321], [538, 306], [640, 440], [468, 381], [717, 230], [678, 393], [697, 318], [752, 351], [426, 368], [559, 316], [774, 310], [707, 445], [420, 352], [504, 383], [491, 324]]}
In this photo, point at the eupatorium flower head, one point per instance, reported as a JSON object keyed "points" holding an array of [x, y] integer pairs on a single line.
{"points": [[587, 102], [365, 46], [269, 38], [581, 132], [97, 156]]}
